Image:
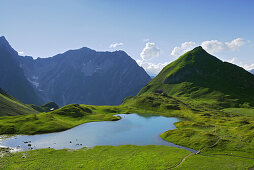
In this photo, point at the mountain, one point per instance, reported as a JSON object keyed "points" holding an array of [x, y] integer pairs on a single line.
{"points": [[200, 77], [252, 71], [12, 77], [11, 106], [85, 76]]}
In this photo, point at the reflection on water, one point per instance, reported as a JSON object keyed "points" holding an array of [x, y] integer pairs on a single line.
{"points": [[131, 129]]}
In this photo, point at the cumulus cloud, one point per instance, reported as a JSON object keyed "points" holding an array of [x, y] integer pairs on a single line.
{"points": [[236, 43], [151, 68], [235, 61], [248, 66], [186, 46], [214, 46], [211, 46], [115, 44], [150, 51]]}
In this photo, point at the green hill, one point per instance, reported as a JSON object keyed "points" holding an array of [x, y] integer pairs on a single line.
{"points": [[11, 106], [199, 77]]}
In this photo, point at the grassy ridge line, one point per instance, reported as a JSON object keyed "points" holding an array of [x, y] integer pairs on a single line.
{"points": [[119, 157], [11, 106], [62, 119], [197, 131], [204, 79], [65, 118]]}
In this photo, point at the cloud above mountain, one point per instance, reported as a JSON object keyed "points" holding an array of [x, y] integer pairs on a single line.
{"points": [[115, 44], [211, 46], [235, 61], [150, 51], [151, 68], [186, 46], [214, 46]]}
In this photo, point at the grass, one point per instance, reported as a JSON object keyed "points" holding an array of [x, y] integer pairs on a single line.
{"points": [[203, 78], [240, 111], [202, 125], [119, 157], [217, 109], [62, 119], [9, 106]]}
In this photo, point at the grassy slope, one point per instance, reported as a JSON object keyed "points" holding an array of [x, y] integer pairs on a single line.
{"points": [[58, 120], [205, 122], [202, 78], [120, 157], [199, 92], [196, 131], [202, 126], [11, 106]]}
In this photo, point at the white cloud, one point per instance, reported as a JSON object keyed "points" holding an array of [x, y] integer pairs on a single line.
{"points": [[248, 67], [235, 61], [150, 51], [115, 44], [211, 46], [214, 46], [236, 43], [151, 68], [139, 62], [20, 52], [186, 46]]}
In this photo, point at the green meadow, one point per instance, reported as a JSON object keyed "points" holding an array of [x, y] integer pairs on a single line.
{"points": [[231, 130], [216, 119], [120, 157]]}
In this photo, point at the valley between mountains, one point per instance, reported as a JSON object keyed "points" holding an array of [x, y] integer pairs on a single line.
{"points": [[214, 101]]}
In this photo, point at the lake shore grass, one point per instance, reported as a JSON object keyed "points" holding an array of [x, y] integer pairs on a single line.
{"points": [[201, 127], [119, 157]]}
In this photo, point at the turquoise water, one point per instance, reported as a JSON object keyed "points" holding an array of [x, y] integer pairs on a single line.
{"points": [[131, 129]]}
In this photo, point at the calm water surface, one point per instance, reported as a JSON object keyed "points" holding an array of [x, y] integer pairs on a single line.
{"points": [[131, 129]]}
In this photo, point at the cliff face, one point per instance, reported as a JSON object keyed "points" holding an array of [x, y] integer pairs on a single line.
{"points": [[12, 77], [85, 76]]}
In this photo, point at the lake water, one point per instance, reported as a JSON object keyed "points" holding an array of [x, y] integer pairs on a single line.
{"points": [[131, 129]]}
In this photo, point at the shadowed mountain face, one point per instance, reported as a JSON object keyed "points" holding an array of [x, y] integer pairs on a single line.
{"points": [[81, 76], [12, 77], [199, 75]]}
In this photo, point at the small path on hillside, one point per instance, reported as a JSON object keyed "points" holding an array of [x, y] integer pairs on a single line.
{"points": [[213, 145], [183, 160], [199, 151]]}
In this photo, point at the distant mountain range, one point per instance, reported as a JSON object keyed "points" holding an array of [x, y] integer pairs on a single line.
{"points": [[200, 77], [12, 76], [252, 71], [76, 76]]}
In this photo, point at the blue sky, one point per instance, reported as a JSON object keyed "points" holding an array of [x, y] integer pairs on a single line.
{"points": [[156, 27]]}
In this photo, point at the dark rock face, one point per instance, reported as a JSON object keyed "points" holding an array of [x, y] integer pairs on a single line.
{"points": [[85, 76], [12, 78]]}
